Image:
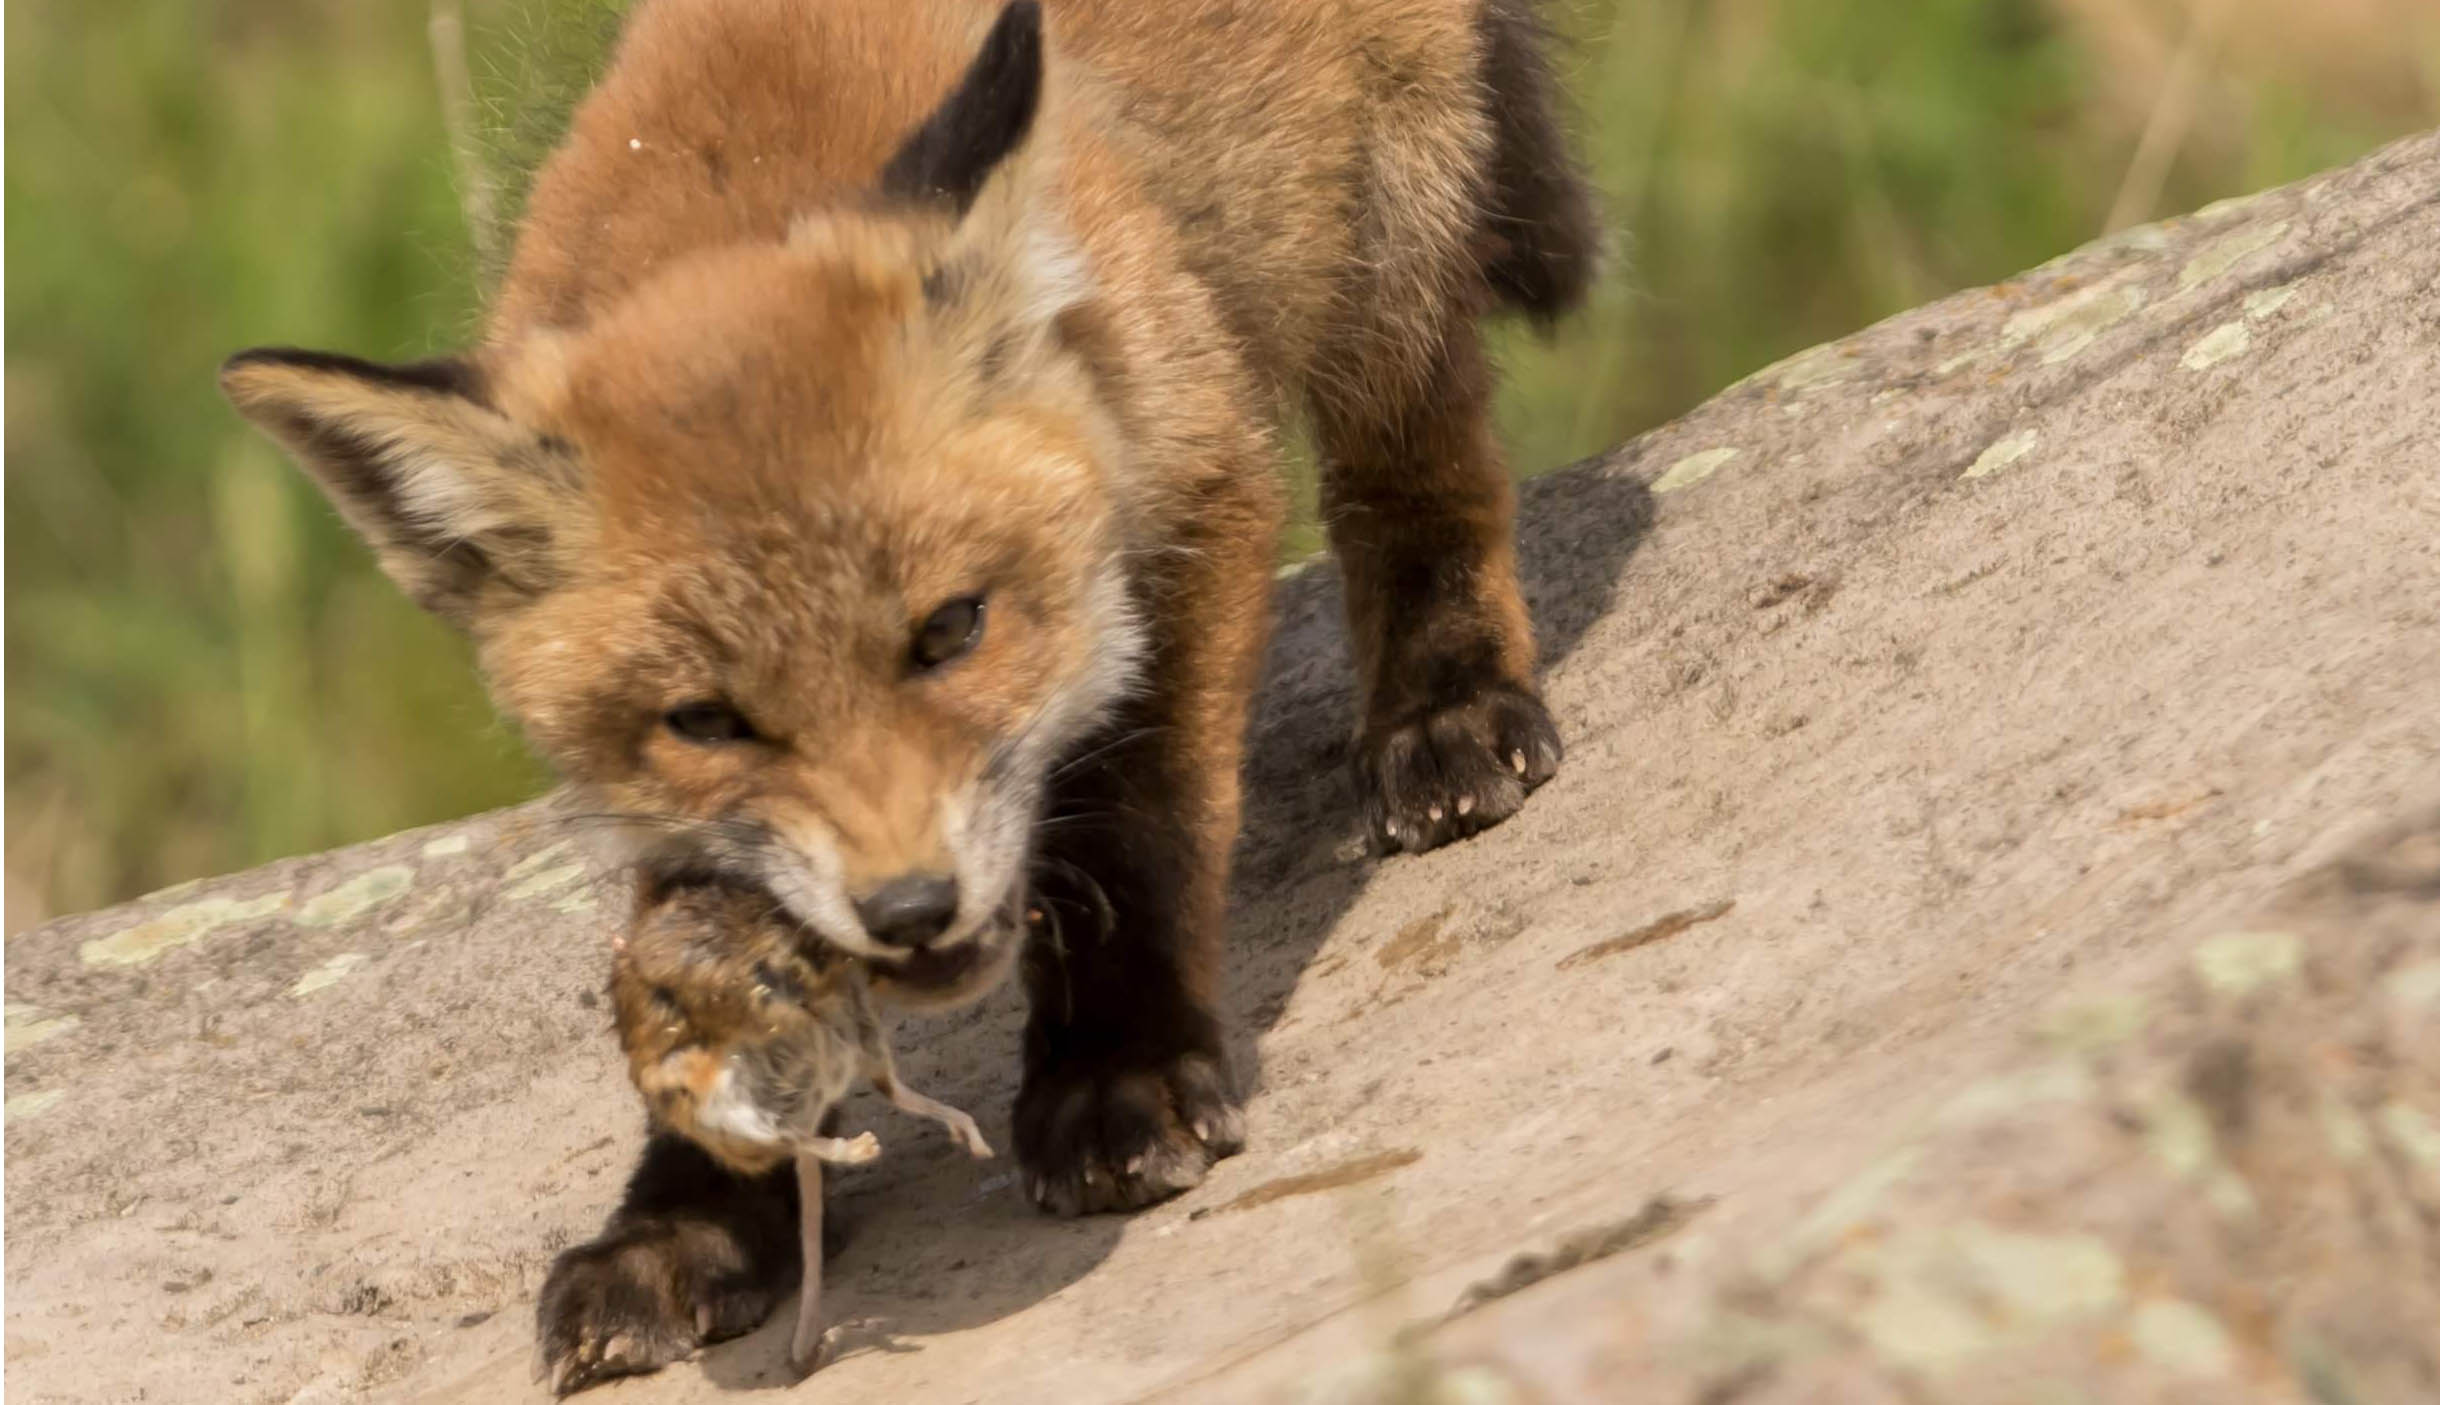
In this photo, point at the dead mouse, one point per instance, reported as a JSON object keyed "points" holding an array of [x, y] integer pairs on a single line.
{"points": [[743, 1038]]}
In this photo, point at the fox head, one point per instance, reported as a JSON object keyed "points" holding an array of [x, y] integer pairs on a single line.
{"points": [[801, 561]]}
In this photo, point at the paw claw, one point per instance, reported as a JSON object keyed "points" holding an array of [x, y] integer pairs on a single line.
{"points": [[1439, 775], [1162, 1126], [643, 1297]]}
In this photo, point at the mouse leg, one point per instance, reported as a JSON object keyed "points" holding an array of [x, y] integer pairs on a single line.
{"points": [[960, 1126], [906, 1099], [806, 1345], [840, 1151]]}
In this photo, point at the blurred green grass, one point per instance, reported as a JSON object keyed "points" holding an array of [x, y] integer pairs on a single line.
{"points": [[204, 671]]}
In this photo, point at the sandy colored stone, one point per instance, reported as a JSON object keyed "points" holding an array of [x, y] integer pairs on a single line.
{"points": [[1979, 1101]]}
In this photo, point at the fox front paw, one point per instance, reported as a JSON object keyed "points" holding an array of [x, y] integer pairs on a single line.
{"points": [[1454, 770], [1120, 1134], [641, 1298]]}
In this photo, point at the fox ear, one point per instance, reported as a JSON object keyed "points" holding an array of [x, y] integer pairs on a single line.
{"points": [[1008, 268], [454, 497], [983, 121]]}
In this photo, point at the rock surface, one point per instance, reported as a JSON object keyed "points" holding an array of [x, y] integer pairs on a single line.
{"points": [[1984, 946]]}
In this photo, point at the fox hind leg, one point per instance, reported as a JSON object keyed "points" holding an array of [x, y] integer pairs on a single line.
{"points": [[1421, 513], [1452, 735]]}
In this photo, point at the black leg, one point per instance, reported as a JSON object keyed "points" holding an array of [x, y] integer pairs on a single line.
{"points": [[694, 1254], [1127, 1097]]}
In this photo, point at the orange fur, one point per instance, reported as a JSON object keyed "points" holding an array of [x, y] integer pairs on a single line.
{"points": [[830, 320]]}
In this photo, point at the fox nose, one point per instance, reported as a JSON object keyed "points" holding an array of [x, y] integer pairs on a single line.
{"points": [[909, 911]]}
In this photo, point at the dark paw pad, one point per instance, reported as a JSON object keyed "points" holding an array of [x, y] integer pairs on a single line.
{"points": [[1452, 771], [1120, 1136], [634, 1302]]}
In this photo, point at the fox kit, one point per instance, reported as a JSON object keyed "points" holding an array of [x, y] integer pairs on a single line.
{"points": [[743, 1041], [866, 484]]}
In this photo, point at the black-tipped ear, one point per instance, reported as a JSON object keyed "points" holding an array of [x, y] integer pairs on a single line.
{"points": [[452, 495], [982, 120]]}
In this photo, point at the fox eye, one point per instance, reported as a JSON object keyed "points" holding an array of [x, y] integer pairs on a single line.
{"points": [[709, 723], [949, 632]]}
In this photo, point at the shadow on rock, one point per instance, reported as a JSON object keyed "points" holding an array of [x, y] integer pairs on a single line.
{"points": [[1303, 858]]}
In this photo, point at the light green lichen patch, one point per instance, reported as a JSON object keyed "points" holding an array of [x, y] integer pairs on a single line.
{"points": [[1962, 360], [2414, 988], [2226, 1192], [447, 846], [1734, 1343], [539, 860], [329, 973], [2349, 1142], [574, 903], [173, 892], [2180, 1338], [2413, 1134], [2091, 1026], [2038, 1279], [29, 1025], [542, 873], [189, 922], [1847, 1208], [1913, 1324], [2268, 301], [1820, 365], [2222, 255], [19, 1108], [1473, 1385], [357, 896], [2225, 209], [2062, 329], [2145, 238], [1371, 1376], [545, 882], [2179, 1135], [1692, 469], [2059, 1081], [1943, 1296], [420, 914], [2237, 963], [2226, 342], [2002, 453]]}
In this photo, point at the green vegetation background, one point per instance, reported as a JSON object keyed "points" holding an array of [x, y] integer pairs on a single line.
{"points": [[203, 670]]}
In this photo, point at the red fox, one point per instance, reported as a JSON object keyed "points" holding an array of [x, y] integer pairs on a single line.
{"points": [[866, 489]]}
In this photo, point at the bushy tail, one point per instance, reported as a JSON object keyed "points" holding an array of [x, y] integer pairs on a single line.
{"points": [[1544, 243]]}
